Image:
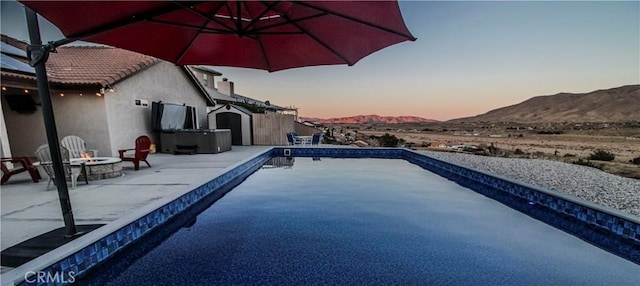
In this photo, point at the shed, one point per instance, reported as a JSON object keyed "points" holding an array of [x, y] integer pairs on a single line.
{"points": [[236, 118]]}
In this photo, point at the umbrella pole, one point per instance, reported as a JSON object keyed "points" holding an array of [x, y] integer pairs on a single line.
{"points": [[38, 55]]}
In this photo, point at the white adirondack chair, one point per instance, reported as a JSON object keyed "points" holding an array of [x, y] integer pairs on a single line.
{"points": [[77, 146], [43, 153]]}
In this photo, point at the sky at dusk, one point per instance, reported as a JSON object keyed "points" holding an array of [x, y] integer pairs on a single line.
{"points": [[470, 57]]}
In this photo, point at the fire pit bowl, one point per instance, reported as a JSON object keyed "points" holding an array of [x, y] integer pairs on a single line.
{"points": [[99, 168]]}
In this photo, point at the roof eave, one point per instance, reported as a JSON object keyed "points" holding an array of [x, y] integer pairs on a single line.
{"points": [[194, 81]]}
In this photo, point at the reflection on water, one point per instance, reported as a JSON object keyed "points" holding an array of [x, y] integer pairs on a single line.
{"points": [[283, 162], [279, 162]]}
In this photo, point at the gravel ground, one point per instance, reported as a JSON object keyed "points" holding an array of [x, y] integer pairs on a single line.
{"points": [[579, 181]]}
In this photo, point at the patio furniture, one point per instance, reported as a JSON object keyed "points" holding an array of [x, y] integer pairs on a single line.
{"points": [[304, 140], [142, 149], [76, 147], [292, 139], [26, 166], [316, 138], [43, 153]]}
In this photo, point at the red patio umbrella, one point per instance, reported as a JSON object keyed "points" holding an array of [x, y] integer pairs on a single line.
{"points": [[269, 35]]}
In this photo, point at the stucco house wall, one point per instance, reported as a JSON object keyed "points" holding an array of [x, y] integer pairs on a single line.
{"points": [[82, 116], [161, 82], [25, 131]]}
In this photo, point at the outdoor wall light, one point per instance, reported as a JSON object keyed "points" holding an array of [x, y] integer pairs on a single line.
{"points": [[26, 91], [61, 94], [107, 88], [4, 88]]}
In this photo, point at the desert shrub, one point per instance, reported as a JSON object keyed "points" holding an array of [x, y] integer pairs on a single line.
{"points": [[538, 154], [519, 152], [493, 149], [635, 161], [551, 132], [388, 140], [587, 163], [569, 155], [601, 155]]}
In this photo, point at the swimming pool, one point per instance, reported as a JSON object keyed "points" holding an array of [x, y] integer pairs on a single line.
{"points": [[368, 221], [120, 245]]}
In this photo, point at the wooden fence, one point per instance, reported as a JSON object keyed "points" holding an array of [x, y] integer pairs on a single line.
{"points": [[305, 130], [271, 128]]}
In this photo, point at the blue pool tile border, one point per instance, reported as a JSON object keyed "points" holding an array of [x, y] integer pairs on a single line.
{"points": [[613, 231], [608, 229], [101, 250]]}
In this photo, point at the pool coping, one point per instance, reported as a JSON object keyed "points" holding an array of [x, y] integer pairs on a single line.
{"points": [[120, 233]]}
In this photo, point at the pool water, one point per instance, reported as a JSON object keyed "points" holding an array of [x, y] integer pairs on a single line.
{"points": [[369, 221]]}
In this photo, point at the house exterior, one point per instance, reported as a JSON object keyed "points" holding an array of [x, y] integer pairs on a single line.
{"points": [[101, 94], [225, 93], [267, 123]]}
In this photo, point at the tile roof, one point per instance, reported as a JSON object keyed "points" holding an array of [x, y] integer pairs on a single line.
{"points": [[87, 65], [94, 65]]}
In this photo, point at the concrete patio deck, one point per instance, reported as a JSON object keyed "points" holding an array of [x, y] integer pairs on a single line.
{"points": [[29, 210]]}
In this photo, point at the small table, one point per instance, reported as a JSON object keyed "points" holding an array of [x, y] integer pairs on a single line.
{"points": [[305, 140]]}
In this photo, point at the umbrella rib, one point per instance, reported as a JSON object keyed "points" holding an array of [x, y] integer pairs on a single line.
{"points": [[193, 39], [194, 27], [410, 37], [290, 21], [264, 54], [220, 31], [213, 19], [319, 41], [264, 12], [124, 22], [239, 17]]}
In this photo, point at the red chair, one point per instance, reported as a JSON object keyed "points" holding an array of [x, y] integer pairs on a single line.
{"points": [[143, 147], [26, 167]]}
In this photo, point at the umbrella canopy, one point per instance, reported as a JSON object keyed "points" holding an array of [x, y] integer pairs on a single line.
{"points": [[268, 35]]}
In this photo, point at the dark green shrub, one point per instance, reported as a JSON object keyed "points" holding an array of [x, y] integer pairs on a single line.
{"points": [[601, 155], [635, 161], [587, 163], [551, 132], [519, 152], [388, 140]]}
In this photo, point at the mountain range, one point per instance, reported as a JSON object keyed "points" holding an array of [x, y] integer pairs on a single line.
{"points": [[372, 118], [606, 105]]}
